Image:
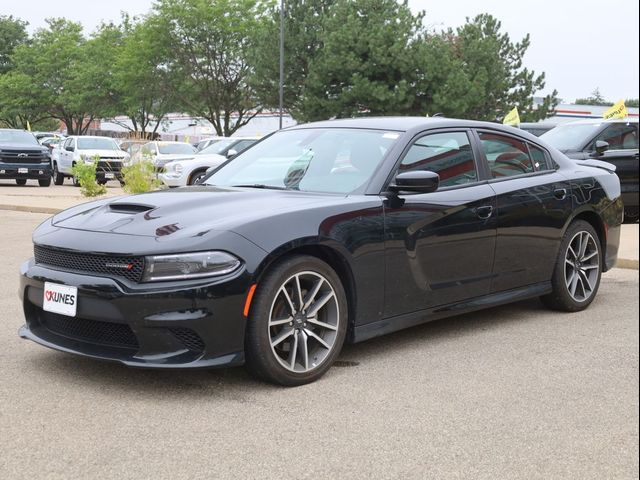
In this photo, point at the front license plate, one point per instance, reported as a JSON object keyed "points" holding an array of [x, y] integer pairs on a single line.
{"points": [[23, 170], [60, 299], [109, 175]]}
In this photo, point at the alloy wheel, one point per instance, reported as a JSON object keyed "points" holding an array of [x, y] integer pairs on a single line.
{"points": [[582, 266], [303, 322]]}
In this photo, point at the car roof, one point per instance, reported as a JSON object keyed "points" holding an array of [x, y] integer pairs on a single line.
{"points": [[596, 121], [403, 124]]}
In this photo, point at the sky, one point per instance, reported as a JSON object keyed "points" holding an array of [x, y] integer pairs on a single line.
{"points": [[580, 45]]}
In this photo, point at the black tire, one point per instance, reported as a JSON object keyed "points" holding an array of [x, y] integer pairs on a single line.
{"points": [[262, 359], [196, 176], [561, 297], [21, 181], [58, 178], [44, 182], [102, 182]]}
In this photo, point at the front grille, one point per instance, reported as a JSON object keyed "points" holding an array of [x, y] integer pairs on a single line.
{"points": [[189, 339], [130, 268], [101, 333], [19, 157], [109, 166]]}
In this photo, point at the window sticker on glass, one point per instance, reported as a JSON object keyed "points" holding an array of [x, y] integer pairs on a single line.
{"points": [[391, 135]]}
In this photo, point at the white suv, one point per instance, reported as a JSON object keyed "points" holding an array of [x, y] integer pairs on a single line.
{"points": [[85, 149]]}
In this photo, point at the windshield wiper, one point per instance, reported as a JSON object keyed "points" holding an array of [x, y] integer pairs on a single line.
{"points": [[260, 185]]}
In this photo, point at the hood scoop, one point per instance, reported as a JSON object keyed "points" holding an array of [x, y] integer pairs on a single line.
{"points": [[130, 208]]}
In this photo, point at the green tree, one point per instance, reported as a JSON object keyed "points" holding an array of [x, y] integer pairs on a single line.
{"points": [[303, 42], [631, 102], [13, 32], [595, 98], [60, 74], [146, 86], [210, 41], [367, 64], [485, 77]]}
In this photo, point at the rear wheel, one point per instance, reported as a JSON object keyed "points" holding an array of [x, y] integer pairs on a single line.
{"points": [[44, 182], [578, 269], [297, 322], [58, 178], [21, 181]]}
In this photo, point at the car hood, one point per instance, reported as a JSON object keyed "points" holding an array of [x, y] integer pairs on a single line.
{"points": [[23, 148], [186, 212], [113, 154]]}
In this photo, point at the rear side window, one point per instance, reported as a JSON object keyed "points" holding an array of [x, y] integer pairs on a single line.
{"points": [[507, 156], [539, 157], [447, 154]]}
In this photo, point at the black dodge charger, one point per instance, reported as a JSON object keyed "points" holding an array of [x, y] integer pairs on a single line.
{"points": [[320, 234]]}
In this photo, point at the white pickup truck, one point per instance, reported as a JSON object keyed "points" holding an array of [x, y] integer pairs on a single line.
{"points": [[85, 149]]}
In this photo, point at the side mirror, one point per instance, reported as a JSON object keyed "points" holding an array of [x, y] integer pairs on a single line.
{"points": [[419, 181], [232, 153], [69, 149], [601, 147]]}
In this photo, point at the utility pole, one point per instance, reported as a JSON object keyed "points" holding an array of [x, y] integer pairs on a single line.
{"points": [[281, 59]]}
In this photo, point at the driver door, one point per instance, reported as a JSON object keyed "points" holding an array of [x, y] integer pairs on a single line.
{"points": [[439, 246]]}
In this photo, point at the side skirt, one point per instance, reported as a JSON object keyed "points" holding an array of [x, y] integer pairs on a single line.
{"points": [[399, 322]]}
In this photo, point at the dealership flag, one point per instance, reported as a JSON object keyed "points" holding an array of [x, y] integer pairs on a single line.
{"points": [[512, 118], [618, 110]]}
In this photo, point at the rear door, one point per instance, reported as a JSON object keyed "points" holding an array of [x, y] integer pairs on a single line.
{"points": [[533, 205], [439, 246]]}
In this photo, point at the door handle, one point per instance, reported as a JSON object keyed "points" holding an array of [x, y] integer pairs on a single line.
{"points": [[484, 212], [560, 193]]}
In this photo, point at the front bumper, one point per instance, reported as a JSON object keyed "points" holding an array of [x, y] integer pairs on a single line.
{"points": [[33, 171], [151, 326], [171, 181]]}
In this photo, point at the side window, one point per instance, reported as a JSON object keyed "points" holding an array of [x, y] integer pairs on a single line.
{"points": [[242, 145], [539, 157], [619, 136], [447, 154], [507, 156]]}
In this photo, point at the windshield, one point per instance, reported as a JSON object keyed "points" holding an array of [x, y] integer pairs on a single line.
{"points": [[17, 136], [334, 160], [94, 143], [176, 148], [217, 147], [571, 137]]}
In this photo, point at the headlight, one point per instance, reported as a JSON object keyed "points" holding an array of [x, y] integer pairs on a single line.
{"points": [[185, 266], [177, 168]]}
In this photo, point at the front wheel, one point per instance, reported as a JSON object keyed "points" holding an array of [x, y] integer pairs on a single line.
{"points": [[58, 178], [44, 182], [21, 181], [297, 322], [578, 269], [197, 177]]}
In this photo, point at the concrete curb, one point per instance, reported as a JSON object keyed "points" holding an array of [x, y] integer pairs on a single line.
{"points": [[626, 263], [31, 209]]}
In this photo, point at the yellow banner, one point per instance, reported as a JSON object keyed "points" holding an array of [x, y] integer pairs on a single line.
{"points": [[618, 110], [512, 118], [28, 126]]}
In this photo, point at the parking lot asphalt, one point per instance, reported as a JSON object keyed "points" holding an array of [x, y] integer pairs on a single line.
{"points": [[512, 392]]}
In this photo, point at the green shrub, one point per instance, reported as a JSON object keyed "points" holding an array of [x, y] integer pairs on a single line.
{"points": [[85, 174], [140, 177]]}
